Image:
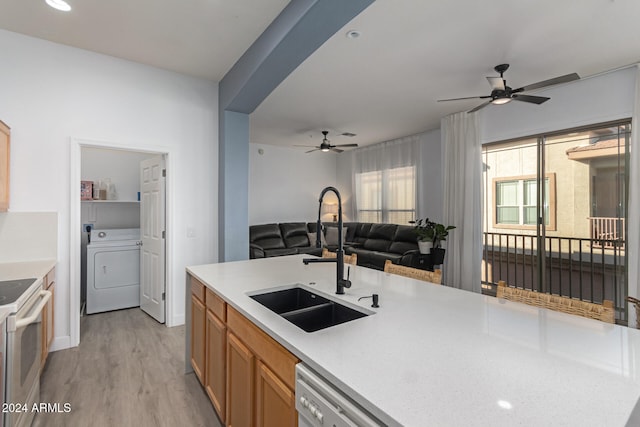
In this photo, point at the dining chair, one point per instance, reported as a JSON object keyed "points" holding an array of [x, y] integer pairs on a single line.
{"points": [[604, 312], [414, 273], [348, 259]]}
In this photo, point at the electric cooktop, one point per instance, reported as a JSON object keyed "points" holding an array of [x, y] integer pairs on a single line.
{"points": [[10, 290]]}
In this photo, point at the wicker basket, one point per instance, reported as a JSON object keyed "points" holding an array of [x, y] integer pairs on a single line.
{"points": [[604, 312], [636, 304]]}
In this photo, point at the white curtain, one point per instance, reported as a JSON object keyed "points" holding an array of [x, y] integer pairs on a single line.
{"points": [[396, 168], [462, 207], [633, 241]]}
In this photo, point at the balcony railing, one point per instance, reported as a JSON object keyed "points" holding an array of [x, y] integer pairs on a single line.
{"points": [[573, 267], [607, 232]]}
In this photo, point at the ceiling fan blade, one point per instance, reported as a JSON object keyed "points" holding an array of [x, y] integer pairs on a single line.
{"points": [[468, 97], [336, 150], [479, 107], [530, 98], [311, 151], [555, 81], [497, 83], [346, 145]]}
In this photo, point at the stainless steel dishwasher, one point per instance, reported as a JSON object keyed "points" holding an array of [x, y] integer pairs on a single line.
{"points": [[320, 404]]}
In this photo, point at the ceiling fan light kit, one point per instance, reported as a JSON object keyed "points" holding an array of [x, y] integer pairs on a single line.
{"points": [[326, 146], [59, 5], [502, 94]]}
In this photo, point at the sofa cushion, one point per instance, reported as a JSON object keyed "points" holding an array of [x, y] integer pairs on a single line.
{"points": [[379, 245], [313, 238], [280, 252], [294, 234], [361, 232], [404, 240], [332, 235], [382, 231], [267, 236]]}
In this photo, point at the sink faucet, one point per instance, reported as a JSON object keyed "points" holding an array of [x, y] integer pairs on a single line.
{"points": [[341, 282]]}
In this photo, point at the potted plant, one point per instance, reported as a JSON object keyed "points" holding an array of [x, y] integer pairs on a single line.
{"points": [[440, 233], [425, 230]]}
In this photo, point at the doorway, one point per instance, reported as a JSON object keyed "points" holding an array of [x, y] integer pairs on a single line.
{"points": [[121, 165], [555, 214]]}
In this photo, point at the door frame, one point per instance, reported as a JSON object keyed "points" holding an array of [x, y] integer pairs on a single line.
{"points": [[75, 224]]}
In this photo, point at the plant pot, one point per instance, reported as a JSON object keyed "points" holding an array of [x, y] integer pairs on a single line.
{"points": [[437, 256], [425, 247]]}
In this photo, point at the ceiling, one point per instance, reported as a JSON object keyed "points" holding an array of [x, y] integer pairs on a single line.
{"points": [[380, 86], [201, 38]]}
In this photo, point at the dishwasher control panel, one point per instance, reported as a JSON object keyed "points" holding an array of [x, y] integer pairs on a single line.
{"points": [[319, 404]]}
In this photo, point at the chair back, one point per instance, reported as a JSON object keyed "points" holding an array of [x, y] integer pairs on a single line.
{"points": [[348, 259], [414, 273], [604, 312]]}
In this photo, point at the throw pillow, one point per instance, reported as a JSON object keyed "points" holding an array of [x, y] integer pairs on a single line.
{"points": [[312, 239], [332, 235]]}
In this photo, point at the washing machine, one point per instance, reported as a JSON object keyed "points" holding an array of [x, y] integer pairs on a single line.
{"points": [[113, 269]]}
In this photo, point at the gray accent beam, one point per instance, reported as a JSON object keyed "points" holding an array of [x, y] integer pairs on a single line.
{"points": [[301, 28]]}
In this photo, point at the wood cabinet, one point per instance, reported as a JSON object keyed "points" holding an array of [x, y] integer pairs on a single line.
{"points": [[5, 145], [216, 353], [275, 402], [249, 377], [48, 315], [198, 319], [240, 376], [272, 370]]}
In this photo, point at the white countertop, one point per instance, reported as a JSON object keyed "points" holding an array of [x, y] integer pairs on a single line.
{"points": [[23, 270], [434, 355]]}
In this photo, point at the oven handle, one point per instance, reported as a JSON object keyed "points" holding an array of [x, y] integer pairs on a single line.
{"points": [[35, 312]]}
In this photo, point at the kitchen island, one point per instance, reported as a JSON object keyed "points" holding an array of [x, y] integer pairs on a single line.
{"points": [[434, 355]]}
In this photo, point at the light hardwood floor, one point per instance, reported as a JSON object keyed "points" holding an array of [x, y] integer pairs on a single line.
{"points": [[127, 371]]}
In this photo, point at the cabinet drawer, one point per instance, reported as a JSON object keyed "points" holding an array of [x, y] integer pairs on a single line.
{"points": [[216, 305], [279, 359], [197, 289]]}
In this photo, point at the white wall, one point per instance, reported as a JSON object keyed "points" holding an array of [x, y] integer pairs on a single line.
{"points": [[51, 93], [28, 236], [284, 183], [589, 101]]}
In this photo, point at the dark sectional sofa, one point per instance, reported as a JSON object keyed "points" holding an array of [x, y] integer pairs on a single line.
{"points": [[288, 238], [374, 243]]}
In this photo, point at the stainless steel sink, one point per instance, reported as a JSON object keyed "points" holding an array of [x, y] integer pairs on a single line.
{"points": [[307, 310]]}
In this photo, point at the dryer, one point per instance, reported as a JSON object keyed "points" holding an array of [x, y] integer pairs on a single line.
{"points": [[113, 269]]}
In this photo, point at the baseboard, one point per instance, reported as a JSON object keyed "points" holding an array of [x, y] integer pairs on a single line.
{"points": [[60, 343], [176, 321]]}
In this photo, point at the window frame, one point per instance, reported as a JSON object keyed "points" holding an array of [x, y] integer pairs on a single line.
{"points": [[384, 212], [551, 177]]}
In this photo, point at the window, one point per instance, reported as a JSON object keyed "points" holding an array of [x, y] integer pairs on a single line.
{"points": [[515, 202], [387, 196]]}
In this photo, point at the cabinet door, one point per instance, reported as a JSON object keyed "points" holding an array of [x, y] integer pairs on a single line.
{"points": [[275, 402], [4, 166], [197, 337], [50, 315], [215, 378], [47, 317], [240, 375]]}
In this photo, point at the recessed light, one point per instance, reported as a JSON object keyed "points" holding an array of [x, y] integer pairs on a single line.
{"points": [[59, 5], [353, 34], [505, 404]]}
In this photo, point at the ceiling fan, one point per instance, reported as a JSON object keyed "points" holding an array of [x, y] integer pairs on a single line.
{"points": [[501, 93], [326, 145]]}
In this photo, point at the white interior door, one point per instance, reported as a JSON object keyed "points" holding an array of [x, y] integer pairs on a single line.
{"points": [[152, 227]]}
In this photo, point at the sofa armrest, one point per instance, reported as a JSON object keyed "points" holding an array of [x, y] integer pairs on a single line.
{"points": [[255, 251]]}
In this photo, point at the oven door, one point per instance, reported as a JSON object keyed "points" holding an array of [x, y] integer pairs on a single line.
{"points": [[24, 352]]}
